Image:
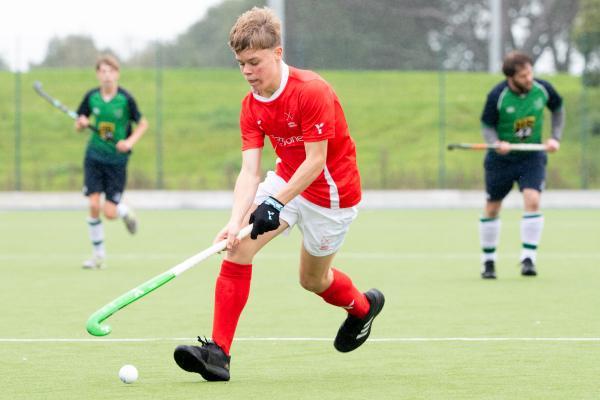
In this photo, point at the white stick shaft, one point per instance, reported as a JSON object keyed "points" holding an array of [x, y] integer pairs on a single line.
{"points": [[486, 146], [528, 146], [204, 254]]}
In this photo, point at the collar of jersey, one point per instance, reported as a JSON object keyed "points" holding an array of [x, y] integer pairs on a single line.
{"points": [[285, 73]]}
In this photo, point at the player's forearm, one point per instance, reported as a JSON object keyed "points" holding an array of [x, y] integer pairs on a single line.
{"points": [[558, 123], [246, 185], [138, 132], [489, 134], [244, 191]]}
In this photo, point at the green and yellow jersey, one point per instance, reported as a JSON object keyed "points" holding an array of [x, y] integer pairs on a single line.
{"points": [[519, 118], [113, 119]]}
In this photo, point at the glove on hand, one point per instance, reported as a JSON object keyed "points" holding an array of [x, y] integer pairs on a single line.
{"points": [[266, 217]]}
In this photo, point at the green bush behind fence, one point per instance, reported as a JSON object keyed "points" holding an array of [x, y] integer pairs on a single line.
{"points": [[400, 120]]}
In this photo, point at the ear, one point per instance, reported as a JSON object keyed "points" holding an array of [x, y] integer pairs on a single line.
{"points": [[278, 51]]}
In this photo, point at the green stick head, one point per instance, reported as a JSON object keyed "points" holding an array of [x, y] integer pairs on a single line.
{"points": [[94, 324]]}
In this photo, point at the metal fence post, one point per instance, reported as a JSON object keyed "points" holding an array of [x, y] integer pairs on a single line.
{"points": [[17, 130], [159, 99], [584, 135], [442, 127]]}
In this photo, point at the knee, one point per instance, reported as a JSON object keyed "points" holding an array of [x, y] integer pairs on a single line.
{"points": [[313, 283], [243, 254], [110, 212]]}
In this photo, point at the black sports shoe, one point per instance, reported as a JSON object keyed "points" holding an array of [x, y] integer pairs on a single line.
{"points": [[209, 360], [528, 267], [489, 270], [355, 331]]}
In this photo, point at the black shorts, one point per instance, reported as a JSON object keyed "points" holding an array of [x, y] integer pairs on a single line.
{"points": [[501, 172], [100, 177]]}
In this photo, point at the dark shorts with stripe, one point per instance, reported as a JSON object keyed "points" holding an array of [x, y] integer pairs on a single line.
{"points": [[501, 172], [101, 177]]}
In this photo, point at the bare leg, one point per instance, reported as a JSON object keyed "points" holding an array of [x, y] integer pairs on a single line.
{"points": [[316, 274], [94, 201], [110, 210]]}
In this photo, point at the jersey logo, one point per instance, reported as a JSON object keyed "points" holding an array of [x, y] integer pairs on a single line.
{"points": [[510, 110], [524, 127], [106, 130], [289, 117], [287, 141], [319, 127], [96, 111]]}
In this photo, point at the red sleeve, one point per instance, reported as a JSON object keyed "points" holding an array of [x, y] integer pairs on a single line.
{"points": [[252, 136], [317, 111]]}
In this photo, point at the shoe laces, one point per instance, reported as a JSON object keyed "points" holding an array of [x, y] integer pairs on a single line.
{"points": [[204, 342], [214, 352]]}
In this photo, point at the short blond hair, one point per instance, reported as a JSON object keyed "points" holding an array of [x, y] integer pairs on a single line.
{"points": [[258, 29], [107, 59]]}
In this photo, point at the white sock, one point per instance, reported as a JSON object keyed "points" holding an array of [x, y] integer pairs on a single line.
{"points": [[489, 237], [122, 210], [532, 225], [96, 230]]}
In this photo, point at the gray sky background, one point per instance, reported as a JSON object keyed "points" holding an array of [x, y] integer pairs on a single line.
{"points": [[26, 26]]}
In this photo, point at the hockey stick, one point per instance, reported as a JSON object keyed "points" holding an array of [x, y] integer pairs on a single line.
{"points": [[486, 146], [37, 86], [94, 324]]}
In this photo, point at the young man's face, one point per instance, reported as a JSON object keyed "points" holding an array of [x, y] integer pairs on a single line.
{"points": [[261, 69], [522, 80], [107, 75]]}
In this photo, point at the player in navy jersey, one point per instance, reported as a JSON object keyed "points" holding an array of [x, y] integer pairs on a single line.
{"points": [[113, 111], [514, 113]]}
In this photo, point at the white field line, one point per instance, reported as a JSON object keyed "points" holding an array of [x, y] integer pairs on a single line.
{"points": [[308, 339], [277, 256]]}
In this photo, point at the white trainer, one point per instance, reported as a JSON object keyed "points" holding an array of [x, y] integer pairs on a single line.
{"points": [[95, 262], [130, 222]]}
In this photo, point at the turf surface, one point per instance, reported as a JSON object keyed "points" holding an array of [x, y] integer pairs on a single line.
{"points": [[444, 333]]}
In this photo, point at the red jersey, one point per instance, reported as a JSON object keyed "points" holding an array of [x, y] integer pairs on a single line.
{"points": [[305, 109]]}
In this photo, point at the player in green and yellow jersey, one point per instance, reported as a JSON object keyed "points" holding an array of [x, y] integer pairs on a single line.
{"points": [[514, 113], [112, 110]]}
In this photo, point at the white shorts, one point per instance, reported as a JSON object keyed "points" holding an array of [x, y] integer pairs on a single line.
{"points": [[323, 229]]}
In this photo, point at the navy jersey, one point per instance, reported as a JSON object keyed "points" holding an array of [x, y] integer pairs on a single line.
{"points": [[518, 118]]}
